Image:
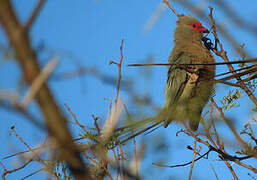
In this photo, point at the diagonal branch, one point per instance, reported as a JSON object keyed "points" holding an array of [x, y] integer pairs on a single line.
{"points": [[55, 122], [236, 75], [34, 14]]}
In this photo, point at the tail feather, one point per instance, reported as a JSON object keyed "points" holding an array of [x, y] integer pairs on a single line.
{"points": [[194, 117], [194, 122], [141, 131], [130, 131]]}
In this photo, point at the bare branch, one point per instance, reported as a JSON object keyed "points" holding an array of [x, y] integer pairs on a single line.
{"points": [[56, 123], [193, 161], [38, 82], [168, 4], [223, 55], [206, 64], [34, 14]]}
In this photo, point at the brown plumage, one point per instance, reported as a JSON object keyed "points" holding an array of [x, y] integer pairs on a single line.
{"points": [[187, 93]]}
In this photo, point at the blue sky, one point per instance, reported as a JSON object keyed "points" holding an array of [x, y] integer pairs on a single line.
{"points": [[92, 31]]}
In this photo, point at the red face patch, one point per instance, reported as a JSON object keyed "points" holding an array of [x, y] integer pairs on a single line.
{"points": [[198, 27]]}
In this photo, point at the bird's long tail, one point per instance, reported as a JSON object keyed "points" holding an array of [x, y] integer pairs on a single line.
{"points": [[130, 131]]}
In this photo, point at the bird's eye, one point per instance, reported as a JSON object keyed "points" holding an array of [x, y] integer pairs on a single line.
{"points": [[193, 25]]}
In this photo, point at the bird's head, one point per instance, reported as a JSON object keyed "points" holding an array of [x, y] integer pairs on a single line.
{"points": [[189, 28]]}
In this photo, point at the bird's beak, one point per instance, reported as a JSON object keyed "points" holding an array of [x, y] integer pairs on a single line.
{"points": [[204, 30]]}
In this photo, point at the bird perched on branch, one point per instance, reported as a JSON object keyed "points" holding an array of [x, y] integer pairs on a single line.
{"points": [[188, 87]]}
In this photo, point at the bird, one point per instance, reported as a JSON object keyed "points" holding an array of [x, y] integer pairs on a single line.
{"points": [[188, 87]]}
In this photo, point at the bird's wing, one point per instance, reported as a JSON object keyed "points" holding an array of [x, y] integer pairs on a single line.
{"points": [[177, 78]]}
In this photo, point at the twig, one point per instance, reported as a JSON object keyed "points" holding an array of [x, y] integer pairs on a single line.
{"points": [[39, 81], [214, 148], [231, 170], [96, 125], [3, 175], [75, 119], [251, 134], [250, 78], [185, 164], [31, 174], [223, 55], [119, 66], [229, 124], [168, 4], [117, 162], [206, 64], [122, 161], [235, 75], [30, 160], [34, 14], [240, 69], [189, 133], [214, 128], [16, 169], [214, 172], [193, 161], [35, 153], [222, 154], [225, 82], [20, 138], [246, 166]]}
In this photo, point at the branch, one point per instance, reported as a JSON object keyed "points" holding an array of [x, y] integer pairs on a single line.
{"points": [[119, 66], [222, 154], [193, 161], [34, 15], [16, 169], [168, 4], [225, 82], [191, 64], [38, 82], [240, 69], [223, 55], [242, 142], [185, 164], [55, 122], [236, 75]]}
